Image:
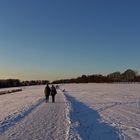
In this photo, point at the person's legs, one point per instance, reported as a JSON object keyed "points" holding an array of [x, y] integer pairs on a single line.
{"points": [[53, 98], [47, 98]]}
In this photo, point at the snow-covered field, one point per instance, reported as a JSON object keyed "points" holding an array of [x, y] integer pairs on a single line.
{"points": [[15, 106], [104, 111], [82, 112], [26, 116]]}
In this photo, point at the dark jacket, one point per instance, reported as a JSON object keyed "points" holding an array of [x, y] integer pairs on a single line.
{"points": [[47, 91], [53, 91]]}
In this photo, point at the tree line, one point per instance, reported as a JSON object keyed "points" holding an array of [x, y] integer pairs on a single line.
{"points": [[16, 83], [127, 76]]}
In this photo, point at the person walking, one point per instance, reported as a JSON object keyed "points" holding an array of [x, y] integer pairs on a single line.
{"points": [[47, 92], [53, 93]]}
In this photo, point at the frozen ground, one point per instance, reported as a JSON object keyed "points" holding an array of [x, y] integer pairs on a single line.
{"points": [[26, 116], [82, 112], [104, 111], [18, 104]]}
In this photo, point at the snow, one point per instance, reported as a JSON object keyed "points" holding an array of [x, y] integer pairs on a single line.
{"points": [[104, 111], [26, 115], [8, 91], [16, 105], [81, 112]]}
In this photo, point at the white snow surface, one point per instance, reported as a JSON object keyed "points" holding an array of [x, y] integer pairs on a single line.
{"points": [[26, 116], [81, 112], [104, 111]]}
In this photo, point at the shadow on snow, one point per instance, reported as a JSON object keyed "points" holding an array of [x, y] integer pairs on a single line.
{"points": [[11, 121], [87, 123]]}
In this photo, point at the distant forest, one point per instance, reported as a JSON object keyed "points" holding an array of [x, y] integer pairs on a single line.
{"points": [[127, 76], [17, 83]]}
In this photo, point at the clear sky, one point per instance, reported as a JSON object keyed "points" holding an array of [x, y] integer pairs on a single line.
{"points": [[55, 39]]}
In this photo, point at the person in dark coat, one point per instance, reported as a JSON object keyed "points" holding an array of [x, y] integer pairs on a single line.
{"points": [[47, 92], [53, 93]]}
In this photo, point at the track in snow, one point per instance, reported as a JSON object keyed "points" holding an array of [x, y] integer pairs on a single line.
{"points": [[47, 121]]}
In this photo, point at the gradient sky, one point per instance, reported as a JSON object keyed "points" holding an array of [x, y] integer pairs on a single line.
{"points": [[54, 39]]}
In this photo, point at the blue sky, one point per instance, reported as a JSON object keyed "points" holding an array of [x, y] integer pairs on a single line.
{"points": [[54, 39]]}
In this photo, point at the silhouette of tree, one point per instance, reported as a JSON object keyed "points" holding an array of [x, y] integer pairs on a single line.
{"points": [[128, 76]]}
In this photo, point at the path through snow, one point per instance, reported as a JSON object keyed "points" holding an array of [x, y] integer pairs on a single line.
{"points": [[46, 122]]}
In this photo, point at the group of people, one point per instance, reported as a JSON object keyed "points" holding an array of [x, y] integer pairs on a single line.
{"points": [[50, 91]]}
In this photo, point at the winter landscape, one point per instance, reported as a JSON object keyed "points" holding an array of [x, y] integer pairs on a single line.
{"points": [[81, 111], [69, 70]]}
